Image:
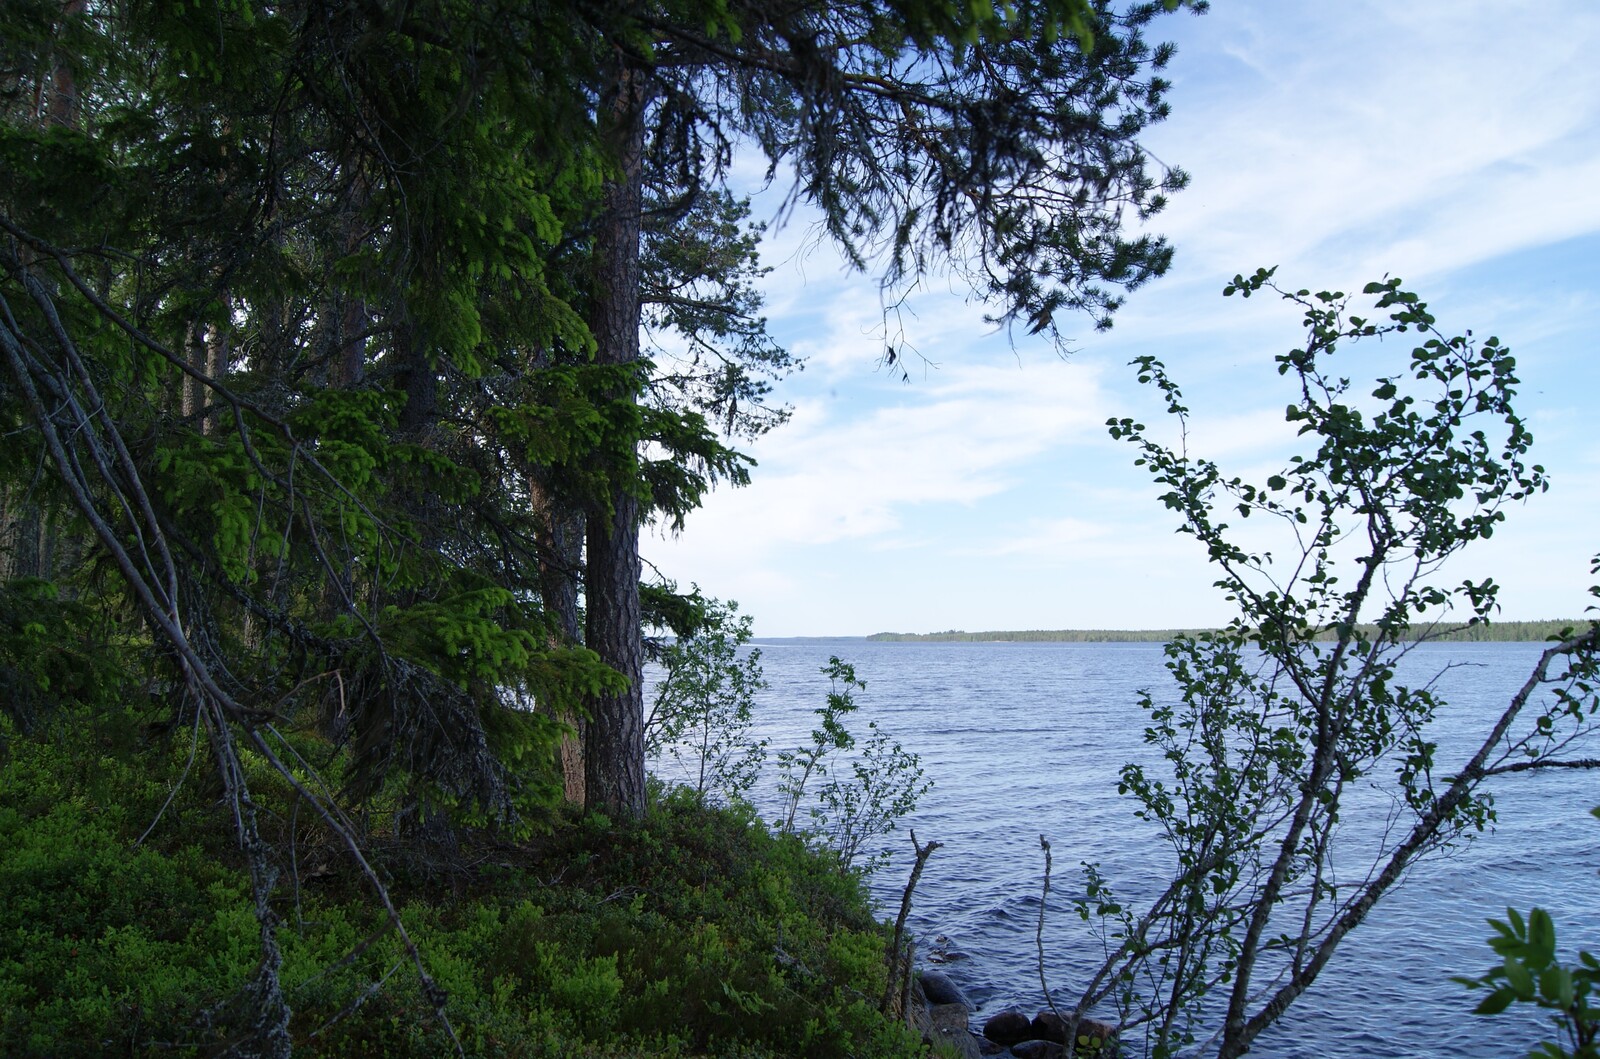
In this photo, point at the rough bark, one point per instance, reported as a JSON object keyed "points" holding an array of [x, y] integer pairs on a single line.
{"points": [[209, 354], [559, 535], [353, 315], [614, 739], [418, 379], [24, 536]]}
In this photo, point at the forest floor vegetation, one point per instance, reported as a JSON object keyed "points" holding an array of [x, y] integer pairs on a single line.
{"points": [[128, 926]]}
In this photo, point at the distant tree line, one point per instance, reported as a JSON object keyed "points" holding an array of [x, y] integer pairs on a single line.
{"points": [[1487, 632]]}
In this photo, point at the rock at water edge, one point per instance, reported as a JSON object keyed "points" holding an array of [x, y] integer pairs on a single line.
{"points": [[941, 990], [1048, 1026], [1008, 1027], [949, 1018]]}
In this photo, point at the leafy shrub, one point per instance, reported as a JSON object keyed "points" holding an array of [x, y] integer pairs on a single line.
{"points": [[1530, 973], [692, 932], [882, 786], [704, 705], [836, 790]]}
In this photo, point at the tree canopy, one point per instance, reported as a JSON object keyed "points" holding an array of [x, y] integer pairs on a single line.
{"points": [[325, 401], [992, 144]]}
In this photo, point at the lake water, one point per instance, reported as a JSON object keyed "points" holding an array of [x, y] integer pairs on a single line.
{"points": [[1027, 739]]}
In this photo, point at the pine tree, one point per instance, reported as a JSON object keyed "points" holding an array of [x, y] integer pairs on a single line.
{"points": [[996, 144]]}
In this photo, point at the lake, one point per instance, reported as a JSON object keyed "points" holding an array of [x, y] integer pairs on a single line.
{"points": [[1024, 739]]}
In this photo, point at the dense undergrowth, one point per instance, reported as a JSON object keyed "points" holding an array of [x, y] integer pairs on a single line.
{"points": [[692, 932]]}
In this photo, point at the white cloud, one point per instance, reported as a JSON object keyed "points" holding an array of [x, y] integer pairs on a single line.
{"points": [[1340, 140], [1438, 134], [826, 476]]}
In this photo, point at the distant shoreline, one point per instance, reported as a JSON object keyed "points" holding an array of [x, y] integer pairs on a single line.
{"points": [[1495, 632]]}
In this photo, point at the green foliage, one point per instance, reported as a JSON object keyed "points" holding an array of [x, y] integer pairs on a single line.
{"points": [[293, 334], [54, 652], [837, 791], [699, 280], [883, 785], [319, 285], [1531, 973], [695, 460], [96, 934], [305, 241], [1276, 718], [692, 932], [704, 705], [801, 764]]}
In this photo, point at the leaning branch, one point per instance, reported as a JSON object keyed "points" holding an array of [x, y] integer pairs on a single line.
{"points": [[1238, 1039], [1530, 766], [159, 603], [900, 968]]}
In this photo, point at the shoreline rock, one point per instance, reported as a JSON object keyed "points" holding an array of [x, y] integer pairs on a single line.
{"points": [[1049, 1026], [942, 1012], [941, 989], [1008, 1027]]}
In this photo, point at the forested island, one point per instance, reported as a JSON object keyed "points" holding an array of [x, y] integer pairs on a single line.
{"points": [[1484, 632]]}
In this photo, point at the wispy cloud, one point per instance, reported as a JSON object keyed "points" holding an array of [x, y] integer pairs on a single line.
{"points": [[1454, 143], [1421, 136], [831, 475]]}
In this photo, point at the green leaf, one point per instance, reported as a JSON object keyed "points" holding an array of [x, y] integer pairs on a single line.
{"points": [[1555, 985], [1541, 939], [1519, 977], [1495, 1002]]}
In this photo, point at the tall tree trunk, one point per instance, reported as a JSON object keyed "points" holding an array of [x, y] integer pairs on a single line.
{"points": [[349, 369], [28, 526], [418, 379], [209, 353], [614, 739], [417, 376], [559, 536], [62, 106], [24, 542], [342, 322]]}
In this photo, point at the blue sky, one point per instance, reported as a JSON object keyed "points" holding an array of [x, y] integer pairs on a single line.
{"points": [[1454, 144]]}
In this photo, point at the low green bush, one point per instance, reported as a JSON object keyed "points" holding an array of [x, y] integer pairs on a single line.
{"points": [[694, 932]]}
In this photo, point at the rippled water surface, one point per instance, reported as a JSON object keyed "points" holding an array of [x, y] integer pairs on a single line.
{"points": [[1026, 739]]}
